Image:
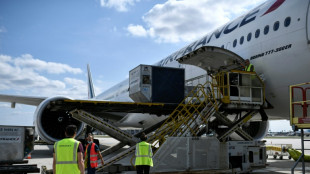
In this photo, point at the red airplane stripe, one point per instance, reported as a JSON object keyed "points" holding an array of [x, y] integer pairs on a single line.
{"points": [[274, 6]]}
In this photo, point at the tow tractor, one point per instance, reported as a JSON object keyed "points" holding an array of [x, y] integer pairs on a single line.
{"points": [[207, 131]]}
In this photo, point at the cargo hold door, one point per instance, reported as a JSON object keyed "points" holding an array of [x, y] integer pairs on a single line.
{"points": [[212, 59]]}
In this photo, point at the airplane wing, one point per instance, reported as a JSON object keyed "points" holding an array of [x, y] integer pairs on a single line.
{"points": [[101, 108], [27, 100]]}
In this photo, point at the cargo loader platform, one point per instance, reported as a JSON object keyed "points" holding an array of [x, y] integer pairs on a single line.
{"points": [[193, 118], [214, 113]]}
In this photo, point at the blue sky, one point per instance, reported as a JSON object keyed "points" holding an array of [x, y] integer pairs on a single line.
{"points": [[45, 45]]}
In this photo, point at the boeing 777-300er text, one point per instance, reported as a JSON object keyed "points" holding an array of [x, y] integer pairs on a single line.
{"points": [[275, 36]]}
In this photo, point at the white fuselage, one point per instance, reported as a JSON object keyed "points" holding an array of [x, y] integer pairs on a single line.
{"points": [[280, 53]]}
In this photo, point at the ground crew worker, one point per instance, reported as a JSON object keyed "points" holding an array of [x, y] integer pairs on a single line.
{"points": [[68, 154], [143, 156], [91, 155], [248, 66]]}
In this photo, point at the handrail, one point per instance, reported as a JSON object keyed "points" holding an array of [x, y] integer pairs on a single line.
{"points": [[296, 163], [183, 118], [299, 121]]}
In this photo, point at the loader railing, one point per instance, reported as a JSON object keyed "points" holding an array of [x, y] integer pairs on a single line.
{"points": [[299, 102]]}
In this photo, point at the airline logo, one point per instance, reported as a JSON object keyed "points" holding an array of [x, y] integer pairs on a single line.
{"points": [[230, 27], [10, 139], [274, 6]]}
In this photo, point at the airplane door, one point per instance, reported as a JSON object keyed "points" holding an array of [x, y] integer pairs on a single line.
{"points": [[212, 59]]}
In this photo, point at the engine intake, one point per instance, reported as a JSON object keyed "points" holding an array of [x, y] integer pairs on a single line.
{"points": [[51, 124]]}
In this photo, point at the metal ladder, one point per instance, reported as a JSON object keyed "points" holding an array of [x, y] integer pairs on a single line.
{"points": [[185, 120], [300, 120], [190, 117], [104, 126]]}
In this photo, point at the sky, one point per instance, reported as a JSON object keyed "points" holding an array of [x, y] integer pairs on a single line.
{"points": [[46, 45]]}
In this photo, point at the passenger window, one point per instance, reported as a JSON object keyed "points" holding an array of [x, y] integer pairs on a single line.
{"points": [[276, 26], [235, 43], [287, 21], [249, 37], [266, 29], [241, 40], [257, 32]]}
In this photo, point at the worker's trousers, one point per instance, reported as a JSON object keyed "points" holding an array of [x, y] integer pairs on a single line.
{"points": [[143, 169]]}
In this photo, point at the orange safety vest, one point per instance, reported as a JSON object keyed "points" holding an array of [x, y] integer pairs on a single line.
{"points": [[93, 157]]}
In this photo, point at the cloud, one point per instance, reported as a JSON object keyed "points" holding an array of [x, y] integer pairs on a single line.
{"points": [[119, 5], [137, 30], [29, 76], [186, 20], [4, 58], [27, 61]]}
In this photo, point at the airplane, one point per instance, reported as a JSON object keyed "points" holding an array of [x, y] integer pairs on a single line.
{"points": [[306, 133], [275, 36]]}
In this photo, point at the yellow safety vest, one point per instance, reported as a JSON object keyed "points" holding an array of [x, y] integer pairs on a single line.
{"points": [[66, 156], [144, 154], [248, 68]]}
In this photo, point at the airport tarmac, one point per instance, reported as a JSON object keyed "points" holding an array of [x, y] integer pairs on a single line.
{"points": [[43, 156]]}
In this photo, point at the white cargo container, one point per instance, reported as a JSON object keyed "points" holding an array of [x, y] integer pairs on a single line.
{"points": [[16, 143]]}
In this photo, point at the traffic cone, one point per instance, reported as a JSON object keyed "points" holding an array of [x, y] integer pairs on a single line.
{"points": [[29, 156]]}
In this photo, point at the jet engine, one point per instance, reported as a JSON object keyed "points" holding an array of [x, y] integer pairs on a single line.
{"points": [[51, 123], [257, 129]]}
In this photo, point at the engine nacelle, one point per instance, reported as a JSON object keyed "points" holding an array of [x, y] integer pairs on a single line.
{"points": [[51, 124], [257, 129]]}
